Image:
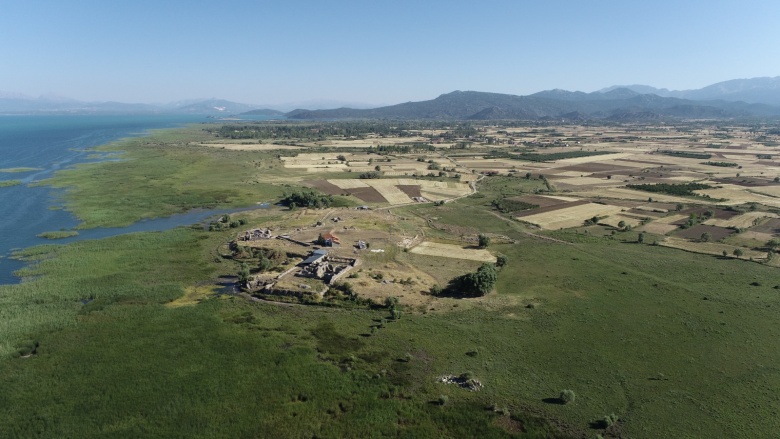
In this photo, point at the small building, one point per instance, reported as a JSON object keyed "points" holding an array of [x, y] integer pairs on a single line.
{"points": [[331, 240], [315, 256]]}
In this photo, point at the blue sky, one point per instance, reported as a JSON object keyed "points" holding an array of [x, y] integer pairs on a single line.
{"points": [[376, 52]]}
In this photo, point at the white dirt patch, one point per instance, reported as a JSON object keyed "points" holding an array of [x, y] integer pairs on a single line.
{"points": [[657, 228], [452, 251], [561, 198], [570, 216], [743, 221]]}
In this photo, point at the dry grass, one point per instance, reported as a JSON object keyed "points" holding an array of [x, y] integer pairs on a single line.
{"points": [[657, 228], [710, 248], [743, 221], [452, 251], [570, 216]]}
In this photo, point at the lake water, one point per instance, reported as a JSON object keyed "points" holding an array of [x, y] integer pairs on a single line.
{"points": [[50, 143]]}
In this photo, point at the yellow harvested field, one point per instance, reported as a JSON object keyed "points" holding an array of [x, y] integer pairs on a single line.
{"points": [[758, 236], [738, 195], [571, 174], [392, 194], [743, 221], [630, 194], [452, 251], [561, 198], [570, 216], [772, 191], [348, 184], [671, 218], [710, 248], [594, 158], [614, 220], [582, 181], [331, 166], [657, 228]]}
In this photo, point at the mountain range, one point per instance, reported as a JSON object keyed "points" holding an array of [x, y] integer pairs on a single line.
{"points": [[739, 98]]}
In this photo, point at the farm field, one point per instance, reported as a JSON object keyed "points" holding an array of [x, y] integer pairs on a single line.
{"points": [[658, 305]]}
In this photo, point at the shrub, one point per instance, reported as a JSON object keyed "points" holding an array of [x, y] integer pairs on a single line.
{"points": [[443, 399], [567, 396]]}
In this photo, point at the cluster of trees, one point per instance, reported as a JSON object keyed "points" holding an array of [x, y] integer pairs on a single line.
{"points": [[477, 283], [313, 131], [226, 222], [551, 157], [679, 189], [307, 199], [688, 154], [721, 164], [370, 175], [505, 205], [694, 219]]}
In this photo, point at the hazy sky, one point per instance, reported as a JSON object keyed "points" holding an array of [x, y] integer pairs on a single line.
{"points": [[376, 51]]}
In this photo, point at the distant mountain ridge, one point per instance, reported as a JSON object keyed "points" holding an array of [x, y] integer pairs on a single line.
{"points": [[739, 98], [764, 90], [616, 104]]}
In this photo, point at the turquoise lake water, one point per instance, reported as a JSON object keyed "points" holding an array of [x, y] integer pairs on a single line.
{"points": [[50, 143]]}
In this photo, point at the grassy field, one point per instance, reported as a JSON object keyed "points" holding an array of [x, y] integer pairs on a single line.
{"points": [[164, 174], [129, 336]]}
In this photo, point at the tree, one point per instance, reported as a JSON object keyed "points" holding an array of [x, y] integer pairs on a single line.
{"points": [[243, 275], [501, 261], [705, 237], [621, 224], [436, 290], [738, 252], [480, 282], [391, 302], [484, 240], [641, 238], [265, 264], [679, 207]]}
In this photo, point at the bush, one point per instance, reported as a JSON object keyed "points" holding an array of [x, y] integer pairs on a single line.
{"points": [[607, 421], [567, 396], [443, 399]]}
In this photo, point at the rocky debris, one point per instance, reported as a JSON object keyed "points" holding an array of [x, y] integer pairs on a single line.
{"points": [[462, 380]]}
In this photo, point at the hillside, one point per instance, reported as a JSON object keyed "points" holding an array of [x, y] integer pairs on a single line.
{"points": [[763, 90], [621, 103]]}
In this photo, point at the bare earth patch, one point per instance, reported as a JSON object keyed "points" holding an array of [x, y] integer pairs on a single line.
{"points": [[453, 251]]}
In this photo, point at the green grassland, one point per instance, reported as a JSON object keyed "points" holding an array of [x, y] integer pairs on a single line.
{"points": [[9, 183], [58, 234], [675, 344], [164, 174]]}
